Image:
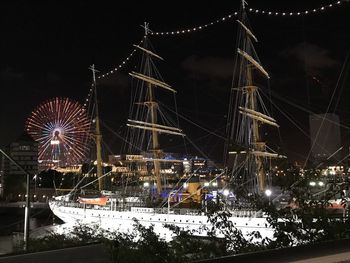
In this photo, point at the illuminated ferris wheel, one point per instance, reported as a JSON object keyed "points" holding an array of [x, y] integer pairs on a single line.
{"points": [[61, 127]]}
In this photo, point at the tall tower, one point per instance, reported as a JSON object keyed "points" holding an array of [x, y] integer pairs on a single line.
{"points": [[325, 138]]}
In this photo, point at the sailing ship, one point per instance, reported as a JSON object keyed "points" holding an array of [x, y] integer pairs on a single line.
{"points": [[245, 160]]}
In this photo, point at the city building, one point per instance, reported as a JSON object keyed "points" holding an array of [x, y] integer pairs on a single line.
{"points": [[24, 151], [173, 164]]}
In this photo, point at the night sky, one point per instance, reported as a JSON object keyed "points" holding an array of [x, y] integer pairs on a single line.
{"points": [[46, 48]]}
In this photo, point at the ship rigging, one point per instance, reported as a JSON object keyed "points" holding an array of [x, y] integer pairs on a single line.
{"points": [[147, 123]]}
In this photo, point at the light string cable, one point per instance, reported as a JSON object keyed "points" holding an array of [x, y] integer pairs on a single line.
{"points": [[112, 71], [187, 30], [318, 10], [123, 63], [196, 28]]}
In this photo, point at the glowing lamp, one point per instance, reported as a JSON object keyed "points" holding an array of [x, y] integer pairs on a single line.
{"points": [[268, 192]]}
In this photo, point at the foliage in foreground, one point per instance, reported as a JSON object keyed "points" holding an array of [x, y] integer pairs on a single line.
{"points": [[309, 222]]}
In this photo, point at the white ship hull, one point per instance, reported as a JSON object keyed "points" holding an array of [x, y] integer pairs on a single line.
{"points": [[123, 221]]}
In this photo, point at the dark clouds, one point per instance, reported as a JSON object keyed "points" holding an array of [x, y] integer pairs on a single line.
{"points": [[120, 82], [314, 58], [208, 67], [8, 74]]}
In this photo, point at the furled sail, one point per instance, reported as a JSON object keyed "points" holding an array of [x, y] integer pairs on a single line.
{"points": [[247, 30], [253, 61], [155, 127], [149, 52], [151, 80], [258, 116]]}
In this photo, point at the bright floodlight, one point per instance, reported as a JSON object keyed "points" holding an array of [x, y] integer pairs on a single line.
{"points": [[146, 184], [312, 183], [226, 192], [206, 184], [185, 185], [321, 183], [268, 192], [215, 184]]}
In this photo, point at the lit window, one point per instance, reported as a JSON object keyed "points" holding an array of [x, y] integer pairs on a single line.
{"points": [[24, 147]]}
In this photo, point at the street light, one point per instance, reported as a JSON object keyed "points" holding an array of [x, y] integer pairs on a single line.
{"points": [[312, 183], [268, 192], [35, 177], [226, 192]]}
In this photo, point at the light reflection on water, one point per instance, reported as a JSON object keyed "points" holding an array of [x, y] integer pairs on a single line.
{"points": [[7, 244], [11, 230]]}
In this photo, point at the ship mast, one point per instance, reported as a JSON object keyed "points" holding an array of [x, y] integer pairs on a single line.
{"points": [[150, 123], [249, 148], [98, 135], [251, 93], [153, 105]]}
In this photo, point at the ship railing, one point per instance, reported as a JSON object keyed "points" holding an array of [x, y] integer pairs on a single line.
{"points": [[178, 211], [246, 213], [68, 204], [127, 207]]}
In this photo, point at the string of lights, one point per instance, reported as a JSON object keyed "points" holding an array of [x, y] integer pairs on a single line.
{"points": [[197, 28], [318, 10], [123, 63], [120, 65], [88, 96]]}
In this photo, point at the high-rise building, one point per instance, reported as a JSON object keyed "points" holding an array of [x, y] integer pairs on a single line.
{"points": [[325, 138], [24, 151]]}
